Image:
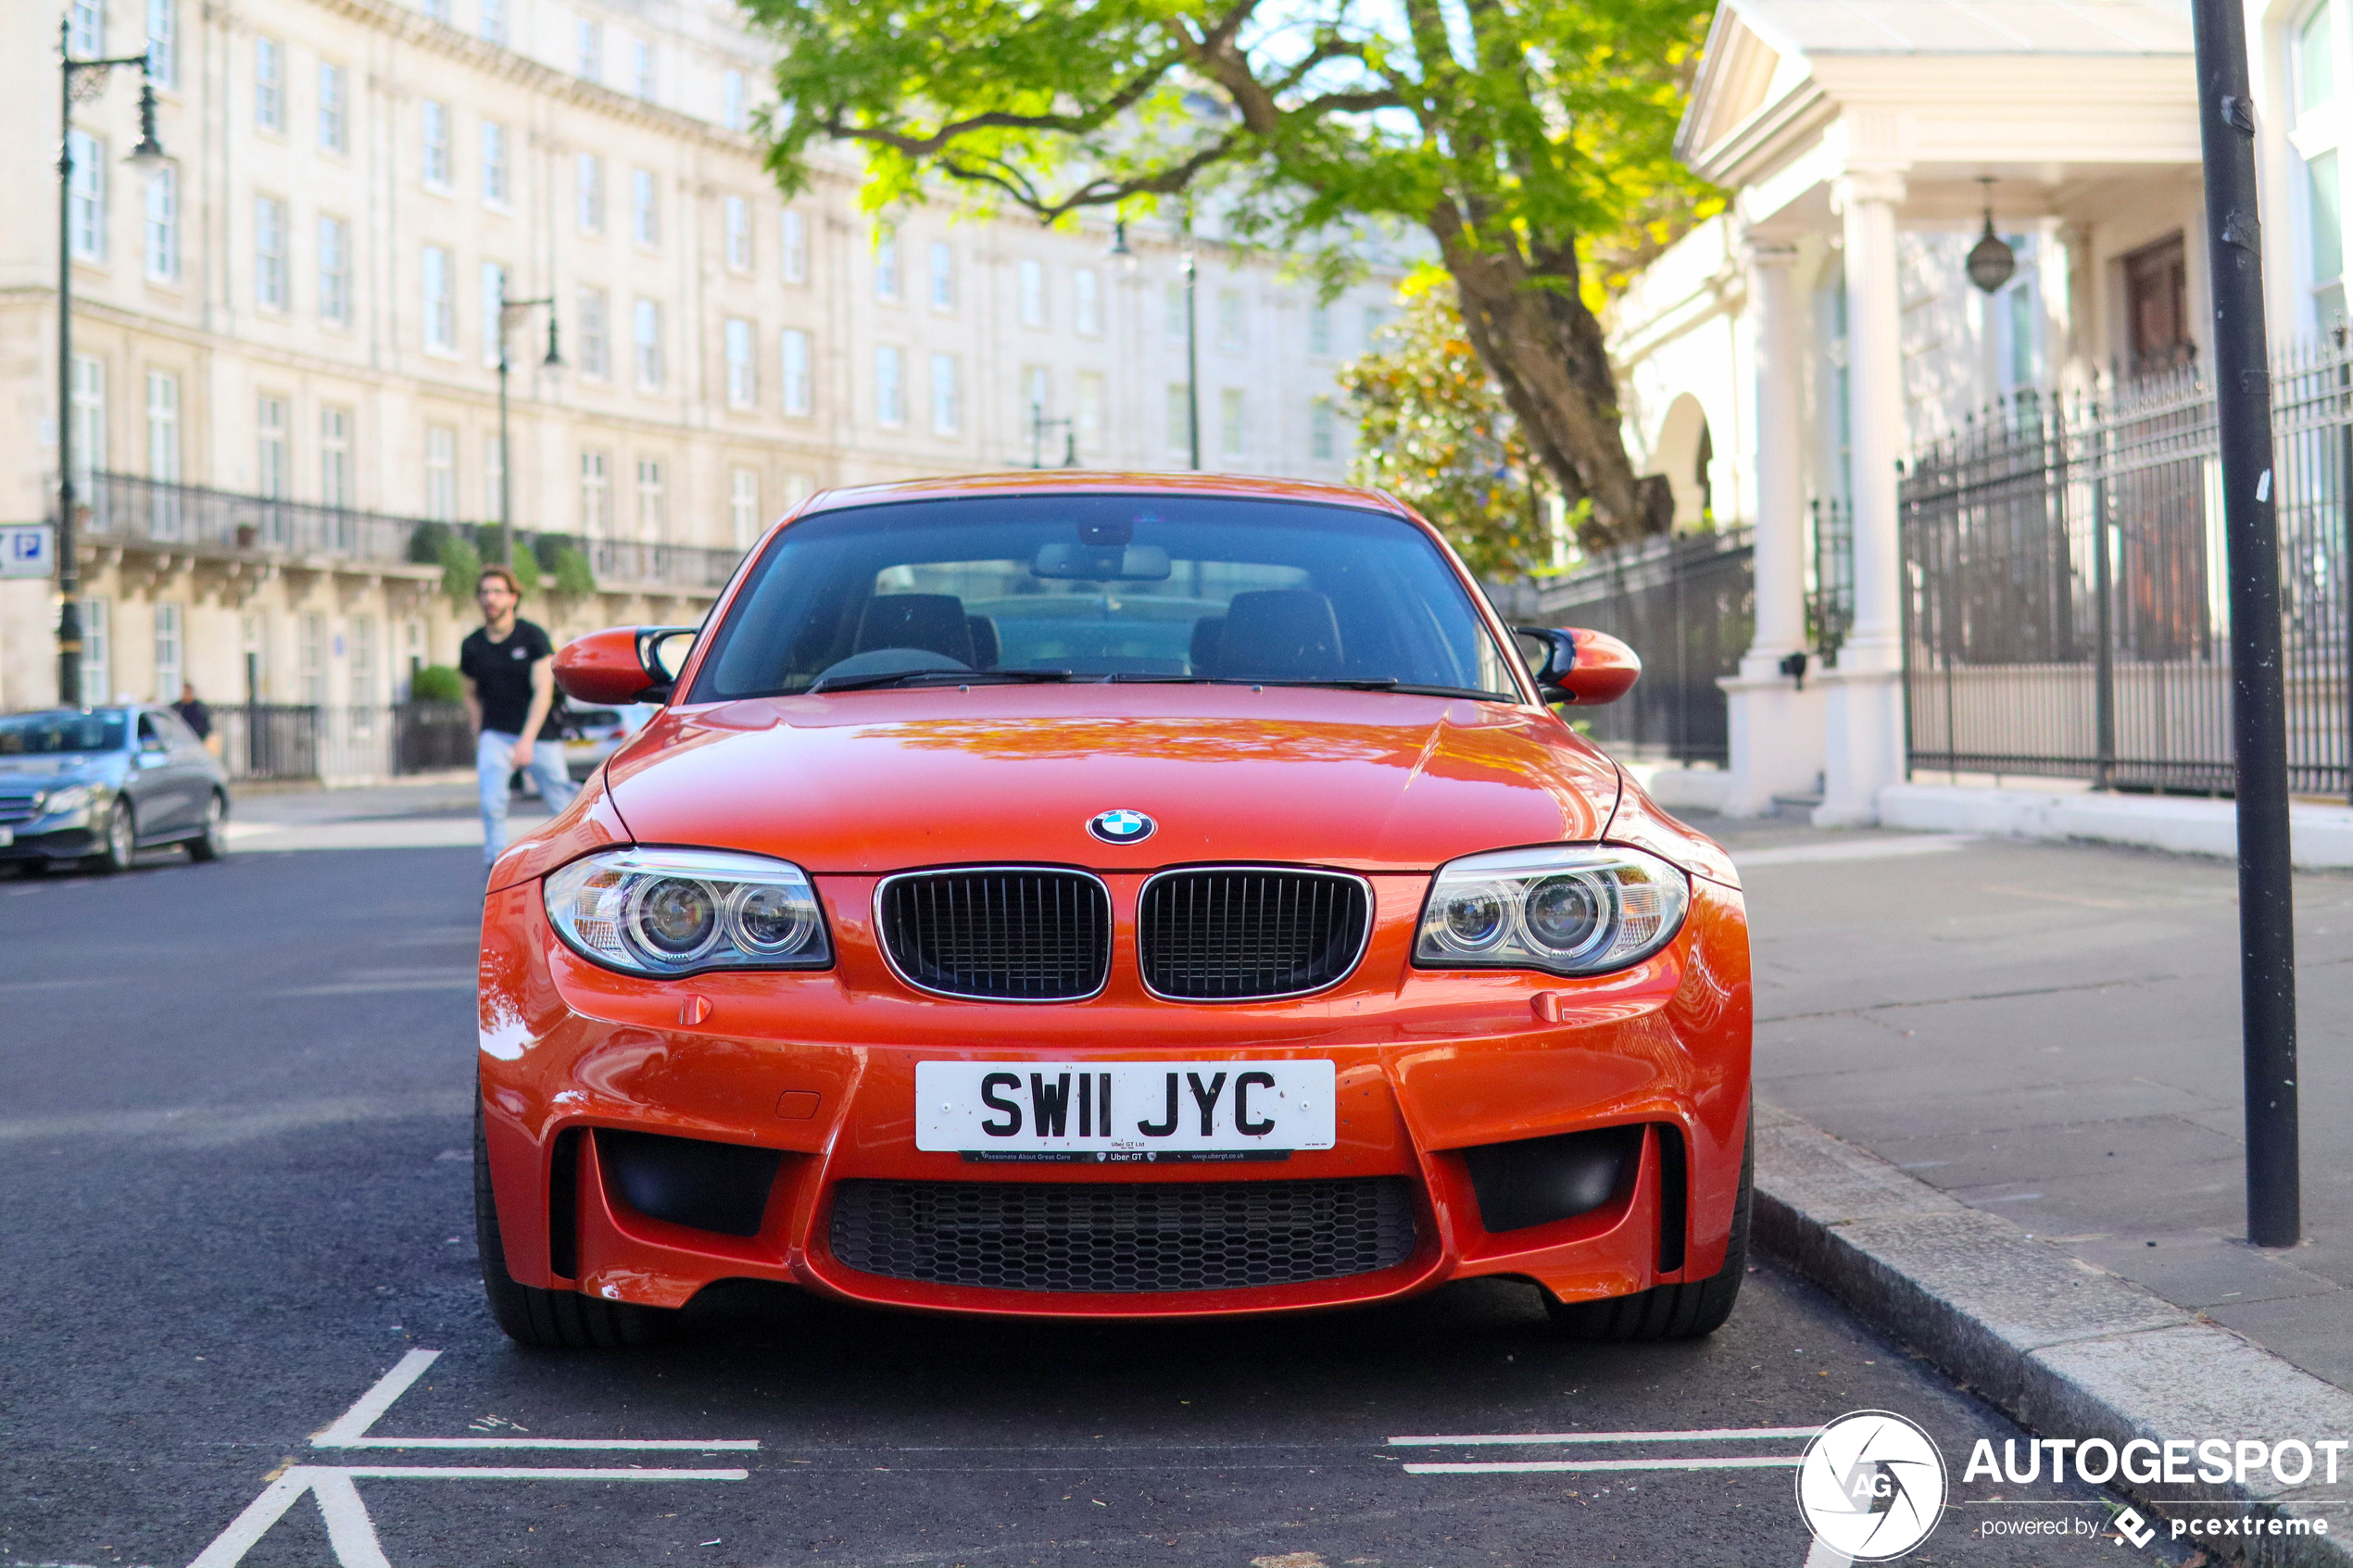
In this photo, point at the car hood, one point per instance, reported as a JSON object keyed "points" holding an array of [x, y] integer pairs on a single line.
{"points": [[48, 771], [883, 781]]}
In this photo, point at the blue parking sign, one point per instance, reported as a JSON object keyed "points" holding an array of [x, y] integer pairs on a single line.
{"points": [[27, 549]]}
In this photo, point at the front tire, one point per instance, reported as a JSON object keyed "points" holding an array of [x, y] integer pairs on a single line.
{"points": [[213, 842], [550, 1320], [1690, 1310], [119, 846]]}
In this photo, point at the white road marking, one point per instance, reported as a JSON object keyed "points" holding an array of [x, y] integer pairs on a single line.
{"points": [[365, 1410], [350, 1429], [1824, 1555], [1546, 1466], [1697, 1434], [371, 987], [1856, 849], [496, 1473]]}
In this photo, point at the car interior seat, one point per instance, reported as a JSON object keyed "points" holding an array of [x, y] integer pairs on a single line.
{"points": [[986, 649], [1206, 631], [934, 622], [1279, 634]]}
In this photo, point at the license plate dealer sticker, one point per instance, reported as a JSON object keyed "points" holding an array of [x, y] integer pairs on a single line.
{"points": [[1124, 1111]]}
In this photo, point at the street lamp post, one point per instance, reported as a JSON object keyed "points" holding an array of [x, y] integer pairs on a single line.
{"points": [[508, 310], [1039, 424], [1192, 347], [147, 155]]}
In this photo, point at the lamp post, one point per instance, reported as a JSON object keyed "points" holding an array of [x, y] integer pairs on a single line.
{"points": [[1192, 348], [74, 85], [508, 310]]}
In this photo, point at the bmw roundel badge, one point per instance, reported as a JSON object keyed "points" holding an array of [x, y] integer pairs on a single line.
{"points": [[1121, 827]]}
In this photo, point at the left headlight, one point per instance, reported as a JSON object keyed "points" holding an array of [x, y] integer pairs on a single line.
{"points": [[1579, 910], [64, 802], [680, 911]]}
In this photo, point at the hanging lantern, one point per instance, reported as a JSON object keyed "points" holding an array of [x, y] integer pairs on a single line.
{"points": [[1992, 262]]}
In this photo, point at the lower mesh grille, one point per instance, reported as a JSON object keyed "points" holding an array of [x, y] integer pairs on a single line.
{"points": [[1122, 1237]]}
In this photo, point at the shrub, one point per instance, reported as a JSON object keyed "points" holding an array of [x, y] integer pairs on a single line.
{"points": [[436, 682]]}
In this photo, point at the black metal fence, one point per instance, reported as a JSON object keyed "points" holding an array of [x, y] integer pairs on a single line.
{"points": [[431, 735], [2066, 608], [1687, 604], [269, 740]]}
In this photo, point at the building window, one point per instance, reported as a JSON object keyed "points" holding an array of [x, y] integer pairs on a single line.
{"points": [[1179, 407], [163, 225], [793, 241], [97, 651], [311, 655], [1322, 441], [741, 390], [1085, 309], [945, 411], [2019, 319], [335, 488], [362, 685], [596, 496], [588, 178], [795, 372], [742, 508], [943, 276], [589, 50], [1029, 281], [2317, 137], [1231, 430], [494, 164], [1176, 312], [731, 100], [738, 213], [436, 149], [653, 501], [441, 473], [1319, 329], [494, 22], [163, 42], [649, 339], [163, 427], [87, 27], [1089, 409], [2315, 59], [334, 130], [596, 340], [334, 271], [1232, 336], [89, 418], [494, 312], [887, 263], [169, 646], [271, 479], [641, 69], [268, 84], [86, 197], [1375, 320], [269, 253], [645, 212], [435, 10], [891, 394], [440, 300]]}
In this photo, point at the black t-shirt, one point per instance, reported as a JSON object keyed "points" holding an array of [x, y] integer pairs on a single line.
{"points": [[195, 715], [501, 675]]}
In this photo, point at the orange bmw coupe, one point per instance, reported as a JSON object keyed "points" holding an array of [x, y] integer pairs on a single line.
{"points": [[1090, 896]]}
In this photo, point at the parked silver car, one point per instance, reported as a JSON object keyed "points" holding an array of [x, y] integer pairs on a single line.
{"points": [[99, 784]]}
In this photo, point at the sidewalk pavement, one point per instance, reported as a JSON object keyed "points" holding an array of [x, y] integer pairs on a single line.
{"points": [[434, 812], [2050, 1032]]}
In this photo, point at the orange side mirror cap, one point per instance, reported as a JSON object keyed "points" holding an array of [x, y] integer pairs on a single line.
{"points": [[619, 665], [1582, 667]]}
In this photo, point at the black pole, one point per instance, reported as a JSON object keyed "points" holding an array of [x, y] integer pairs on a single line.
{"points": [[2242, 411], [68, 565], [506, 457], [1192, 351]]}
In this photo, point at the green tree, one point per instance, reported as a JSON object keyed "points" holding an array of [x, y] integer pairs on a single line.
{"points": [[1433, 430], [1527, 137]]}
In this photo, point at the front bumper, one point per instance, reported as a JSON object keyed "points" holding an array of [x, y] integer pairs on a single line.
{"points": [[819, 1069]]}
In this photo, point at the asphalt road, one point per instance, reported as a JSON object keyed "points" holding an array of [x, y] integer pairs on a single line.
{"points": [[232, 1150]]}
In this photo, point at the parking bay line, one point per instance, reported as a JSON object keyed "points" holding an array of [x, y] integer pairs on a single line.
{"points": [[350, 1429], [1695, 1434], [1547, 1466], [1553, 1466]]}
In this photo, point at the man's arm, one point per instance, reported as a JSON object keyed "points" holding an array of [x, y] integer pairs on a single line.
{"points": [[543, 696], [473, 704]]}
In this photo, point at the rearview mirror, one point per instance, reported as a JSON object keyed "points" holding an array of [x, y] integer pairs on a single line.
{"points": [[1066, 562], [624, 664], [1578, 666]]}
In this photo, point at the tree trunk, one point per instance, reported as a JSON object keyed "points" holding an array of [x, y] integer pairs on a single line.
{"points": [[1545, 349]]}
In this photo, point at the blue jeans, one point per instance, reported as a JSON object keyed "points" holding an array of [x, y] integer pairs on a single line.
{"points": [[495, 762]]}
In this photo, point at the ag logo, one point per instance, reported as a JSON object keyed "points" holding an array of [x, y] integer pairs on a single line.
{"points": [[1871, 1485], [1121, 827]]}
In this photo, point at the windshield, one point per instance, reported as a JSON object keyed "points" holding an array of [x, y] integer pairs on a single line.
{"points": [[51, 734], [1127, 587]]}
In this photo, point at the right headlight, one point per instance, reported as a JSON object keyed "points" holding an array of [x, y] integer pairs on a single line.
{"points": [[66, 801], [665, 912], [1578, 909]]}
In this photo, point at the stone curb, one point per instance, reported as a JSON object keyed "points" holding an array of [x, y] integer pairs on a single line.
{"points": [[2068, 1350], [2320, 836]]}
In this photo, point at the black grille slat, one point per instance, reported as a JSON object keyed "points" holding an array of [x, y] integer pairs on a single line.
{"points": [[1122, 1237], [17, 809], [1010, 935], [1239, 934]]}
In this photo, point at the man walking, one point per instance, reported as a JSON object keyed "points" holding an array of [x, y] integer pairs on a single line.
{"points": [[510, 667]]}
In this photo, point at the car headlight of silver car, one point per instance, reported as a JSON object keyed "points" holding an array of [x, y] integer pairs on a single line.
{"points": [[65, 802], [666, 912], [1572, 911]]}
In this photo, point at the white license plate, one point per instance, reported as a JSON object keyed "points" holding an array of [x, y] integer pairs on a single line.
{"points": [[1119, 1111], [7, 836]]}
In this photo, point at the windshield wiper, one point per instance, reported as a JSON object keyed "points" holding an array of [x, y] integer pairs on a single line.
{"points": [[1391, 683], [939, 677]]}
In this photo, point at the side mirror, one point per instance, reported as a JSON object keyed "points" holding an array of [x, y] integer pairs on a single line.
{"points": [[623, 664], [1578, 666]]}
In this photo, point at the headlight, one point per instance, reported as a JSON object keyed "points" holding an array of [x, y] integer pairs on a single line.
{"points": [[681, 911], [63, 802], [1567, 911]]}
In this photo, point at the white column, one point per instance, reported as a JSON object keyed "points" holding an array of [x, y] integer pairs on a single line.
{"points": [[1865, 718], [1776, 720]]}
